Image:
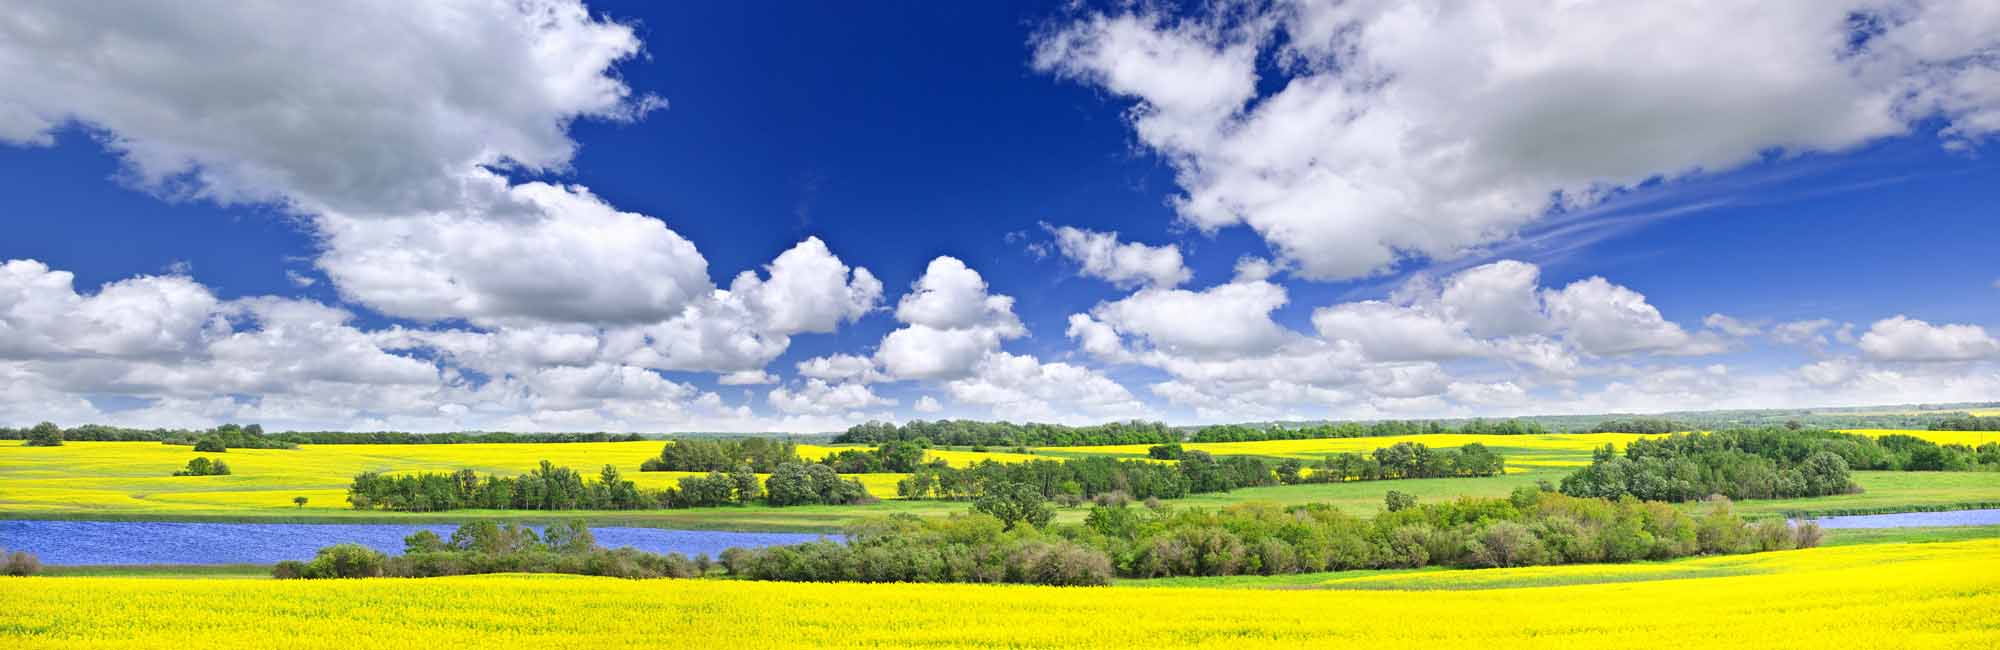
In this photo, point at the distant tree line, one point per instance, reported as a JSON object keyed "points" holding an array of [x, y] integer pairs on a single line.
{"points": [[252, 436], [549, 487], [199, 466], [1639, 425], [761, 455], [959, 433], [1246, 433], [1195, 472], [1765, 463], [896, 457], [483, 547], [1968, 422]]}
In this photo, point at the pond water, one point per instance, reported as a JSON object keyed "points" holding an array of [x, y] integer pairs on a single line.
{"points": [[1915, 519], [145, 542]]}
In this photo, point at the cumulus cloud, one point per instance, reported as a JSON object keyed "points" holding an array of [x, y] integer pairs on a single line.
{"points": [[819, 397], [1227, 319], [1402, 130], [1902, 338], [1021, 387], [951, 322], [1125, 265], [1607, 319]]}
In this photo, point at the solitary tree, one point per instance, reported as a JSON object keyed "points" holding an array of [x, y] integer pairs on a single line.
{"points": [[1013, 503], [299, 501], [46, 434]]}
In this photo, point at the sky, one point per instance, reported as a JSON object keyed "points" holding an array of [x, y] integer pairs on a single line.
{"points": [[622, 216]]}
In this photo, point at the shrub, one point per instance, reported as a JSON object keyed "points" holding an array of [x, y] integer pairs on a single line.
{"points": [[1396, 501], [23, 563], [288, 570], [46, 434], [1507, 544], [345, 561]]}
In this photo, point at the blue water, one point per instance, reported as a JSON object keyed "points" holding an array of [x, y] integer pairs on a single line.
{"points": [[145, 542], [1914, 519]]}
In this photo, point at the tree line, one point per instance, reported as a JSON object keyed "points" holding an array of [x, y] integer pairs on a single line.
{"points": [[1532, 527], [1968, 422], [484, 547], [1193, 472], [1248, 433], [962, 433], [761, 455], [548, 487], [1763, 463]]}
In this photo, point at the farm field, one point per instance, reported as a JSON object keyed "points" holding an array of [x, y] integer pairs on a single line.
{"points": [[132, 480], [1939, 595]]}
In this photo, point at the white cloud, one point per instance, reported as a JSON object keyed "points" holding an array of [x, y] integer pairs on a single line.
{"points": [[272, 105], [1227, 319], [808, 290], [1731, 326], [1802, 332], [1496, 299], [822, 398], [928, 404], [1125, 265], [1019, 387], [841, 368], [1429, 129], [1902, 338], [1389, 332], [952, 322], [41, 315], [1608, 319]]}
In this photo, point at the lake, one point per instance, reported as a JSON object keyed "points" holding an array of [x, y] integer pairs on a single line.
{"points": [[1914, 519], [142, 542]]}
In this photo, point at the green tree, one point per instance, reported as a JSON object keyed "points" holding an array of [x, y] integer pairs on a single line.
{"points": [[211, 444], [300, 501], [46, 434], [1399, 501], [1013, 503]]}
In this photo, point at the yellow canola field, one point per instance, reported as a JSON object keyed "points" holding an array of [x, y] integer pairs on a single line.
{"points": [[1944, 595], [1555, 450], [1967, 438], [138, 476]]}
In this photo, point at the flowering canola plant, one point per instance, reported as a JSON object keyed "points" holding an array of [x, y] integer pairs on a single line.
{"points": [[1941, 595]]}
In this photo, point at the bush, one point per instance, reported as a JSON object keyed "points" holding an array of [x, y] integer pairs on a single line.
{"points": [[23, 563], [345, 561], [1396, 501], [200, 466], [46, 434], [288, 570]]}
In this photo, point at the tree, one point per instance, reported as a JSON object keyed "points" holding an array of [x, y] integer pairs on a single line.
{"points": [[46, 434], [211, 444], [748, 490], [300, 501], [1399, 501], [1012, 503]]}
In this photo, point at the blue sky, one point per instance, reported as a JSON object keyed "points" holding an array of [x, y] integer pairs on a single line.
{"points": [[534, 217]]}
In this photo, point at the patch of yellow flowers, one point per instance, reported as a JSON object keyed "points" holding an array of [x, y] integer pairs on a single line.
{"points": [[1944, 595]]}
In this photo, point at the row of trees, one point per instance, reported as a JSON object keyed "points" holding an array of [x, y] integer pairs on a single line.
{"points": [[1639, 425], [761, 455], [1247, 433], [959, 433], [199, 466], [483, 547], [898, 457], [1532, 527], [1771, 463], [252, 436], [1968, 422], [549, 487], [1397, 461], [1081, 478]]}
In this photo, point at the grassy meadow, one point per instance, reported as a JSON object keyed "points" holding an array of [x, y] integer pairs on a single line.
{"points": [[1937, 595]]}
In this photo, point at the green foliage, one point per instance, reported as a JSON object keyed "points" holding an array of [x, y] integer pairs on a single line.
{"points": [[1767, 463], [200, 466], [211, 444], [959, 433], [46, 434], [795, 484], [20, 563], [343, 561], [1249, 433], [762, 455], [1396, 501], [482, 547], [890, 457], [1015, 503], [961, 548]]}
